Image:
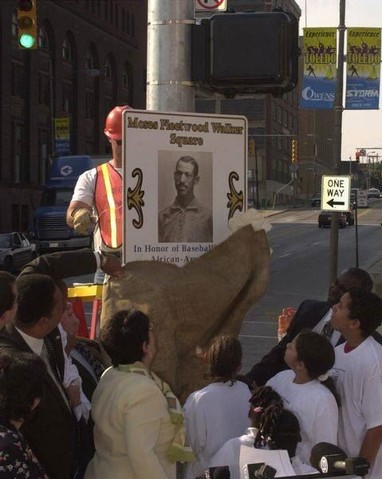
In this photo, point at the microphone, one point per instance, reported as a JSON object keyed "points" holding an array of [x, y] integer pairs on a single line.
{"points": [[329, 458]]}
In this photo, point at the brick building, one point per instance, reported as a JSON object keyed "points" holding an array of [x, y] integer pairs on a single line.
{"points": [[91, 56]]}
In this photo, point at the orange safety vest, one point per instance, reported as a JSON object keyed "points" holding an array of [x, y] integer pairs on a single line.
{"points": [[108, 203]]}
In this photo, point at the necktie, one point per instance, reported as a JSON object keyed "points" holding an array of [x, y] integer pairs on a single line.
{"points": [[48, 360], [327, 331]]}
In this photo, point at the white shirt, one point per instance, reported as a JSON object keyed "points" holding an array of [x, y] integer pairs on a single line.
{"points": [[335, 337], [213, 415], [239, 451], [315, 408], [358, 379]]}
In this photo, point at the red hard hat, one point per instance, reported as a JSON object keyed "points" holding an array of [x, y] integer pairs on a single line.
{"points": [[113, 124]]}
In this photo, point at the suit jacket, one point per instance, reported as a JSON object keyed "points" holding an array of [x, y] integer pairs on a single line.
{"points": [[63, 264], [308, 315], [51, 431]]}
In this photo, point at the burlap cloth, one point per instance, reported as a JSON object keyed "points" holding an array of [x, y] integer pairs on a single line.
{"points": [[191, 305]]}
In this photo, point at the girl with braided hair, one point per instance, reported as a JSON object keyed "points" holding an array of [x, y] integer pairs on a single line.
{"points": [[219, 411], [308, 391], [272, 428]]}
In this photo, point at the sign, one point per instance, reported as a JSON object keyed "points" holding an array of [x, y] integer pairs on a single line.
{"points": [[61, 135], [319, 78], [363, 60], [184, 177], [210, 5], [362, 200], [335, 193]]}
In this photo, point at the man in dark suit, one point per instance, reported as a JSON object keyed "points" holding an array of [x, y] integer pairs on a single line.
{"points": [[313, 315], [53, 430]]}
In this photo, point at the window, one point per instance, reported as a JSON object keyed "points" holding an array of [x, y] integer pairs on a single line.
{"points": [[14, 26], [89, 61], [43, 39], [67, 52], [67, 97], [18, 80]]}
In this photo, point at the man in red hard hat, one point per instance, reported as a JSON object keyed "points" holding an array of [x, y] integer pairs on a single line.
{"points": [[96, 204]]}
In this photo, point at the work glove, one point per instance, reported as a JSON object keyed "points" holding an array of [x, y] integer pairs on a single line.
{"points": [[83, 221]]}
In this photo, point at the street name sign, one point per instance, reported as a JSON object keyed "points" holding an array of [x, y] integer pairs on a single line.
{"points": [[335, 193], [210, 5]]}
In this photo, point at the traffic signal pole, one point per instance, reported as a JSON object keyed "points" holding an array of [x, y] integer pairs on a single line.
{"points": [[169, 85], [338, 109]]}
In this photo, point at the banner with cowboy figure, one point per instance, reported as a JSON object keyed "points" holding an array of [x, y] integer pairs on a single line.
{"points": [[319, 80], [363, 68]]}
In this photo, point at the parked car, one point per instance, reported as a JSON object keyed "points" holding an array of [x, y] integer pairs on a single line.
{"points": [[15, 251], [325, 219], [315, 201], [373, 193]]}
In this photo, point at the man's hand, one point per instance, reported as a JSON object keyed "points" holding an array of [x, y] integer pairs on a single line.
{"points": [[111, 265], [74, 394], [83, 221]]}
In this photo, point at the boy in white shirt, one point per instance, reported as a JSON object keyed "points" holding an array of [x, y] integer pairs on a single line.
{"points": [[358, 376]]}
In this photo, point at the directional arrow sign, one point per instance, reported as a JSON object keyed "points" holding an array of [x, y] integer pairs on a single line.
{"points": [[335, 193]]}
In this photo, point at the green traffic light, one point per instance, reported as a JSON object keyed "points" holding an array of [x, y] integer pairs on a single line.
{"points": [[26, 40]]}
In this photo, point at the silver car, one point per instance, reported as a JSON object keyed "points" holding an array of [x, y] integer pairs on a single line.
{"points": [[15, 251]]}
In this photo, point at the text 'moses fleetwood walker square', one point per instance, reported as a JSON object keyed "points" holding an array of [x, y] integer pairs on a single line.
{"points": [[184, 178]]}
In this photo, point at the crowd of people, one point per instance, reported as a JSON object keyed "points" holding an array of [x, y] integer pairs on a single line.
{"points": [[73, 408]]}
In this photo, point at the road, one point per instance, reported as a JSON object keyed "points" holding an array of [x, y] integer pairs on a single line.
{"points": [[300, 268]]}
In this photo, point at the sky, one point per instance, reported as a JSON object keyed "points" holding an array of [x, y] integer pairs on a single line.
{"points": [[362, 128]]}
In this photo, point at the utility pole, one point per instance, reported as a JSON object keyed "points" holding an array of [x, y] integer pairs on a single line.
{"points": [[338, 109], [169, 86]]}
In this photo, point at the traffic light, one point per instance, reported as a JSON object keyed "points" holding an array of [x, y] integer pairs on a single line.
{"points": [[27, 24], [246, 53], [294, 151]]}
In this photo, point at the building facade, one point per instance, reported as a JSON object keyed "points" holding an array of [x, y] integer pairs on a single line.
{"points": [[91, 56]]}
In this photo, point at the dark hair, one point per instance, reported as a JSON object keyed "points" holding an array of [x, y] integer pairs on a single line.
{"points": [[35, 298], [279, 429], [63, 287], [317, 354], [263, 397], [224, 358], [367, 308], [189, 159], [7, 296], [123, 336], [350, 278], [21, 382]]}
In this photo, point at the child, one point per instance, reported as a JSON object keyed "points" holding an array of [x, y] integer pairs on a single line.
{"points": [[308, 391], [357, 372], [217, 412], [273, 427]]}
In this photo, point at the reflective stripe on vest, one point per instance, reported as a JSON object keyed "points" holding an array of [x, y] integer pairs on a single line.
{"points": [[108, 202]]}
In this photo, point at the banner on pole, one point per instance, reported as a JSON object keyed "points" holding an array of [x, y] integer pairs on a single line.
{"points": [[319, 80], [363, 68]]}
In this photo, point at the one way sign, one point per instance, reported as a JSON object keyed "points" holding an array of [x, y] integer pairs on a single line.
{"points": [[335, 193]]}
